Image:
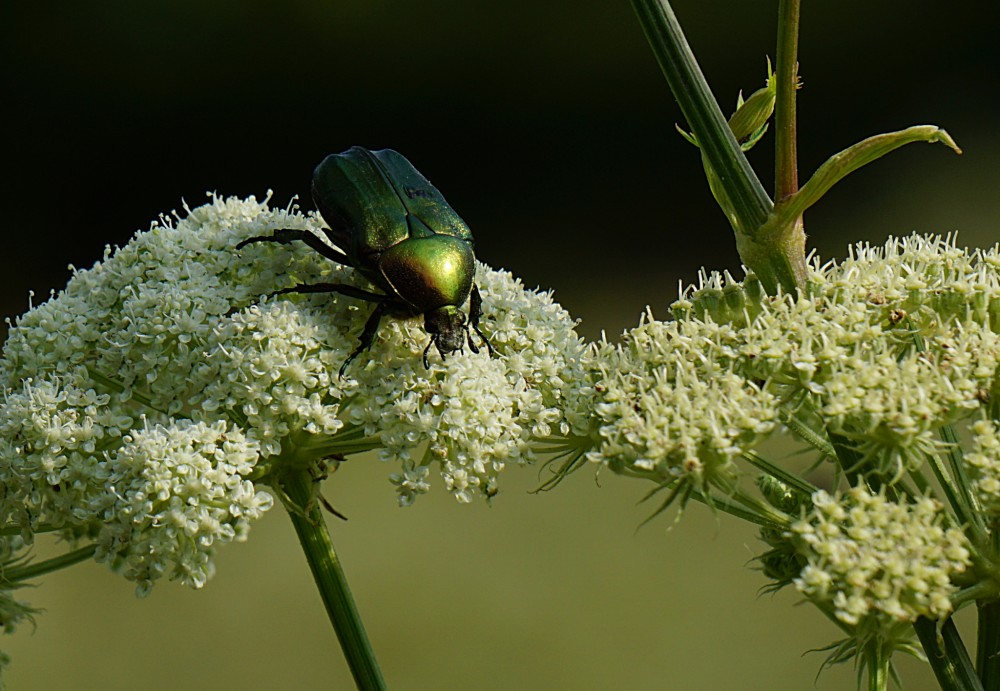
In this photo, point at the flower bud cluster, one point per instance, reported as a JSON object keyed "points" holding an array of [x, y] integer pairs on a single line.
{"points": [[869, 556]]}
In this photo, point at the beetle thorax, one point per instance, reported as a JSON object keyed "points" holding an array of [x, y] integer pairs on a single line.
{"points": [[429, 272]]}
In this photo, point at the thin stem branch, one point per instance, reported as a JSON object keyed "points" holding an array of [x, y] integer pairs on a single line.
{"points": [[745, 508], [779, 473], [972, 511], [786, 169], [28, 571]]}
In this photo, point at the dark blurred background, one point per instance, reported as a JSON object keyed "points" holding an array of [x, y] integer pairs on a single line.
{"points": [[546, 124], [549, 127]]}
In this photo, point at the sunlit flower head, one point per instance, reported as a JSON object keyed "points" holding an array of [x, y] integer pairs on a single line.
{"points": [[148, 403], [884, 349]]}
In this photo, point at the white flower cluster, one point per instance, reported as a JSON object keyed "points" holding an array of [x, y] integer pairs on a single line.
{"points": [[147, 403], [475, 413], [885, 347], [173, 491], [869, 556]]}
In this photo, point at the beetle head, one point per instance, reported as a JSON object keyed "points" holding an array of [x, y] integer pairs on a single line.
{"points": [[447, 328]]}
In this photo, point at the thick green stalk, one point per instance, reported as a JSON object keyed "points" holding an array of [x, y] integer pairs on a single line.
{"points": [[789, 239], [330, 579], [947, 655], [750, 202], [776, 250], [988, 645]]}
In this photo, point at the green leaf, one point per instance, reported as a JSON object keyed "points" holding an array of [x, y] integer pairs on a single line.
{"points": [[840, 165]]}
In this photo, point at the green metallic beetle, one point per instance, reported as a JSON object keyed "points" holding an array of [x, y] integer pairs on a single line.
{"points": [[392, 225]]}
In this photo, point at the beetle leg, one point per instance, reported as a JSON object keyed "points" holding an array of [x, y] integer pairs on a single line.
{"points": [[342, 288], [427, 364], [286, 235], [371, 326], [367, 335], [475, 312], [442, 353]]}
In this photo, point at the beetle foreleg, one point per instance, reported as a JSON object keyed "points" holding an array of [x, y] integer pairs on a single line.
{"points": [[427, 364], [475, 312], [342, 288], [284, 236], [367, 335]]}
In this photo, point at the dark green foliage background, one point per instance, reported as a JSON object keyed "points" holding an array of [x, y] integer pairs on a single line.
{"points": [[549, 128]]}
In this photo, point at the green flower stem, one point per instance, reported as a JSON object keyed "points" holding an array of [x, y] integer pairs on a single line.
{"points": [[988, 645], [981, 591], [786, 168], [14, 529], [779, 473], [958, 494], [810, 436], [343, 443], [973, 512], [877, 662], [947, 655], [765, 511], [747, 508], [330, 579], [785, 244], [29, 571]]}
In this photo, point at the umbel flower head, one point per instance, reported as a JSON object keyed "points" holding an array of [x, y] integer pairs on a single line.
{"points": [[879, 353], [868, 556], [878, 366], [149, 402]]}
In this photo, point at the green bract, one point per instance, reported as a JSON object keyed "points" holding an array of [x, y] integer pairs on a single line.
{"points": [[391, 224]]}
